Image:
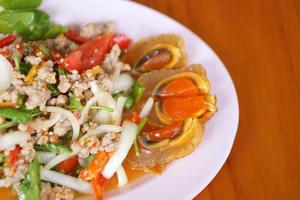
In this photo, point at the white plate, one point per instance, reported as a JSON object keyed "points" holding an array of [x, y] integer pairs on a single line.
{"points": [[186, 177]]}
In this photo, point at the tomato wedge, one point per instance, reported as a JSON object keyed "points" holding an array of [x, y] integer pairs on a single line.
{"points": [[88, 55], [181, 108], [122, 40], [68, 165], [167, 132], [75, 37]]}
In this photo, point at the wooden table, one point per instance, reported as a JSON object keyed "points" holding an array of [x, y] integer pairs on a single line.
{"points": [[259, 42]]}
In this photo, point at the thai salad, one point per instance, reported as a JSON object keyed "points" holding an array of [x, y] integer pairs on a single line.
{"points": [[78, 103]]}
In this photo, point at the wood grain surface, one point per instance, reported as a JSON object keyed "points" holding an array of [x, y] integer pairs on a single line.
{"points": [[259, 42]]}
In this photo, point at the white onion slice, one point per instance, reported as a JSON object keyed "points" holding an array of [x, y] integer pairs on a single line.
{"points": [[13, 138], [94, 87], [6, 73], [124, 83], [119, 110], [122, 177], [147, 107], [100, 130], [44, 157], [128, 135], [69, 115], [67, 181], [103, 117], [103, 98], [58, 159], [40, 125]]}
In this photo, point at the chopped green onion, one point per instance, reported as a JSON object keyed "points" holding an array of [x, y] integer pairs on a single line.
{"points": [[7, 125], [137, 92], [102, 108], [24, 68], [21, 99], [62, 71], [16, 61], [53, 88], [140, 127], [45, 50]]}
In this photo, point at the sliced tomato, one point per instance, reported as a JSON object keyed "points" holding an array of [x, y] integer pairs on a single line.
{"points": [[167, 132], [122, 40], [98, 186], [75, 37], [68, 165], [7, 40], [88, 55], [13, 155]]}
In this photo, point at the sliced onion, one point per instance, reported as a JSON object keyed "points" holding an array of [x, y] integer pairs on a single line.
{"points": [[124, 83], [5, 182], [94, 87], [44, 157], [13, 138], [103, 98], [128, 135], [119, 110], [67, 181], [6, 73], [147, 107], [40, 125], [100, 130], [58, 159], [122, 177], [69, 115], [103, 117]]}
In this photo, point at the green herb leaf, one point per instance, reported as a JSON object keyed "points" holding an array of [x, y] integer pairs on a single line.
{"points": [[105, 108], [54, 30], [30, 188], [20, 4], [56, 148], [53, 88], [19, 115], [45, 50], [24, 68], [16, 61], [62, 71], [74, 104], [7, 125], [21, 100], [2, 157]]}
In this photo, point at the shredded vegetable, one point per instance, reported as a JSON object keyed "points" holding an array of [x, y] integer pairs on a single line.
{"points": [[147, 107], [119, 110], [124, 83], [58, 159], [45, 157], [6, 73], [13, 138], [122, 177], [127, 138], [69, 115], [67, 181]]}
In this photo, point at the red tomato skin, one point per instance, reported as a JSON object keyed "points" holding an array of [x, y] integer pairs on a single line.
{"points": [[122, 40], [88, 55], [68, 165]]}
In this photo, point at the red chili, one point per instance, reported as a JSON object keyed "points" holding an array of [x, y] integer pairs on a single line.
{"points": [[72, 35], [13, 155], [135, 117], [7, 40], [56, 56]]}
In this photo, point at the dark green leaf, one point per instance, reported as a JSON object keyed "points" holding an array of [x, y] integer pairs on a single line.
{"points": [[56, 148], [21, 100], [9, 20], [16, 61], [20, 4], [19, 115], [24, 68], [54, 30], [30, 188], [53, 88], [2, 157]]}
